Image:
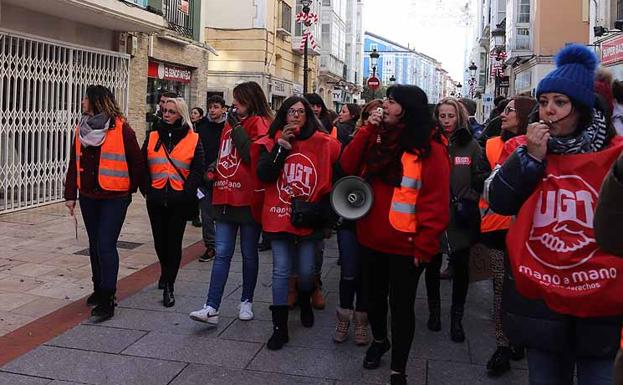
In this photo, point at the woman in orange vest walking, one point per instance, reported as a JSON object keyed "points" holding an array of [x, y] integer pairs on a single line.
{"points": [[410, 177], [493, 227], [106, 167], [176, 165], [296, 166]]}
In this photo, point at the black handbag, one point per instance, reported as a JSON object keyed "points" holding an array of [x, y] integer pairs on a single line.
{"points": [[306, 214]]}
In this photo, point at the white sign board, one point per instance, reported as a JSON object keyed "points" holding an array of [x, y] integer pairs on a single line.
{"points": [[338, 95]]}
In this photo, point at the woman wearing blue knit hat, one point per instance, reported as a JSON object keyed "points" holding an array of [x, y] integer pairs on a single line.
{"points": [[562, 298]]}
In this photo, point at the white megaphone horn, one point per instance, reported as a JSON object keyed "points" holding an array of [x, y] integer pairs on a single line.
{"points": [[351, 197]]}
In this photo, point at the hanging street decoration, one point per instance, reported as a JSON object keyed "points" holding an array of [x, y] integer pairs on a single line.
{"points": [[307, 19]]}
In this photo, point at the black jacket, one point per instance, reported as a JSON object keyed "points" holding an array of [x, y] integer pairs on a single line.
{"points": [[528, 322], [210, 133], [465, 178], [167, 196]]}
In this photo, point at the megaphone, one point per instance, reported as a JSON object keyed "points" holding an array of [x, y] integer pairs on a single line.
{"points": [[351, 197]]}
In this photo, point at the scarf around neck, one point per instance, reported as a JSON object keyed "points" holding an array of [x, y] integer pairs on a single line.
{"points": [[591, 139], [384, 159], [93, 129]]}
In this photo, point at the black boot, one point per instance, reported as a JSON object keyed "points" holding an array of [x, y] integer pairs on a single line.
{"points": [[307, 314], [374, 353], [161, 282], [499, 362], [457, 333], [280, 327], [94, 298], [168, 299], [517, 352], [434, 315], [105, 309]]}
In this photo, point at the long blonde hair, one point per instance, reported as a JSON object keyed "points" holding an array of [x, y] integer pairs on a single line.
{"points": [[461, 112], [182, 109]]}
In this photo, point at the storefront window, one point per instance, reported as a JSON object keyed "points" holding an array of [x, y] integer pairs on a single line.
{"points": [[162, 78]]}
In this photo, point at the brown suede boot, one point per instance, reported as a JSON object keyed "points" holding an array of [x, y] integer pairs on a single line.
{"points": [[292, 291], [361, 328], [342, 323], [317, 299]]}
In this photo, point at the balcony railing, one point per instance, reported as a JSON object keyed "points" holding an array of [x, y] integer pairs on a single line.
{"points": [[179, 17]]}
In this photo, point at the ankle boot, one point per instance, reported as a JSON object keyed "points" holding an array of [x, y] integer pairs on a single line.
{"points": [[360, 319], [280, 327], [292, 291], [105, 309], [434, 315], [307, 314], [457, 333], [342, 323], [317, 298], [94, 298], [168, 299]]}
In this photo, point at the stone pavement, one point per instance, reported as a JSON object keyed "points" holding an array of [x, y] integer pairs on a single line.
{"points": [[43, 267], [146, 343]]}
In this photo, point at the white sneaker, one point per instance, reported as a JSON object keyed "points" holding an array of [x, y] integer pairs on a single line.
{"points": [[207, 315], [246, 311]]}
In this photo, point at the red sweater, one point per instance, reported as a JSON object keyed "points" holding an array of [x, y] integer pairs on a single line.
{"points": [[374, 230]]}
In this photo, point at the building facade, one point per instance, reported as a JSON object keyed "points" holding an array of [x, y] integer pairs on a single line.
{"points": [[50, 52], [404, 65], [605, 13], [258, 41]]}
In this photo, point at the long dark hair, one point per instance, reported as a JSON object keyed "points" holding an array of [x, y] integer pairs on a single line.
{"points": [[315, 100], [251, 95], [354, 110], [101, 99], [312, 124], [417, 120]]}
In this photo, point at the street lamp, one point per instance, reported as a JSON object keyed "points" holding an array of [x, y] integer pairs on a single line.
{"points": [[458, 89], [306, 9], [472, 81], [374, 59], [392, 79], [498, 37]]}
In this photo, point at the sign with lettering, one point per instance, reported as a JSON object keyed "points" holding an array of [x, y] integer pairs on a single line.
{"points": [[169, 72], [612, 51]]}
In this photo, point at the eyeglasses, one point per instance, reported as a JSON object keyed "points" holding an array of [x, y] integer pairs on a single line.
{"points": [[292, 111], [167, 111], [508, 110]]}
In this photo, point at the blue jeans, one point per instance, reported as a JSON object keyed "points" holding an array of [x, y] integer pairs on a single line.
{"points": [[225, 243], [103, 219], [546, 368], [285, 252]]}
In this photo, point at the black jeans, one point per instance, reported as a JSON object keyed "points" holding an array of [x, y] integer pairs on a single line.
{"points": [[460, 280], [167, 226], [103, 219], [397, 277]]}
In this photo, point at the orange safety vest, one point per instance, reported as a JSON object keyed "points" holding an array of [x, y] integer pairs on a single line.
{"points": [[491, 221], [403, 209], [334, 132], [112, 174], [160, 168]]}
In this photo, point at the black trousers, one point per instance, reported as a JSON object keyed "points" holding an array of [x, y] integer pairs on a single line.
{"points": [[460, 280], [396, 277], [167, 226]]}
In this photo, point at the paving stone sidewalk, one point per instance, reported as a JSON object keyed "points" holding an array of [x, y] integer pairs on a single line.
{"points": [[146, 343], [43, 267]]}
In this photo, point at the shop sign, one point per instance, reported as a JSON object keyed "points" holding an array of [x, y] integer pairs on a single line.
{"points": [[502, 81], [338, 95], [169, 72], [612, 51], [297, 89], [279, 88]]}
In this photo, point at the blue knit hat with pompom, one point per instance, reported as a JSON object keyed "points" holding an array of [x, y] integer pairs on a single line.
{"points": [[574, 75]]}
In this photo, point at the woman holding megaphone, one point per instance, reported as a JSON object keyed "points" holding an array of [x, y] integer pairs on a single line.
{"points": [[295, 164], [409, 172]]}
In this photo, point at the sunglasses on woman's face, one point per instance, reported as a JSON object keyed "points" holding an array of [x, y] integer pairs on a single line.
{"points": [[167, 111]]}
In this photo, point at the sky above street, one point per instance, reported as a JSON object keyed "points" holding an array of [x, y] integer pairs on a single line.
{"points": [[433, 27]]}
